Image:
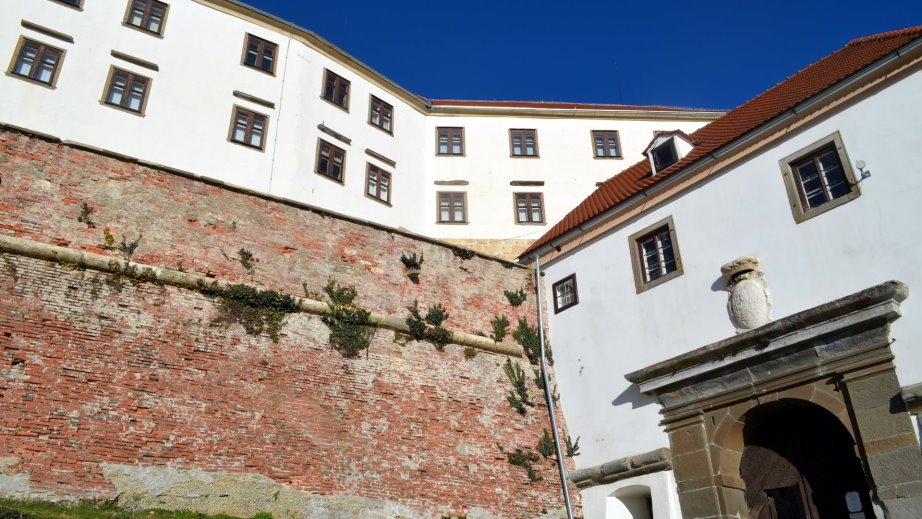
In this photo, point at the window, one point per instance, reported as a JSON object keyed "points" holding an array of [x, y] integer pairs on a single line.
{"points": [[336, 89], [528, 208], [606, 143], [74, 3], [378, 184], [565, 294], [260, 54], [655, 255], [451, 207], [381, 114], [331, 161], [819, 178], [146, 14], [664, 155], [127, 90], [37, 61], [248, 128], [450, 141], [524, 143]]}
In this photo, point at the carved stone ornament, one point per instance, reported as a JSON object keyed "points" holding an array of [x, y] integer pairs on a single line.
{"points": [[750, 302]]}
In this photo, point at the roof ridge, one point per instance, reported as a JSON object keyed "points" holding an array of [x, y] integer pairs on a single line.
{"points": [[885, 36]]}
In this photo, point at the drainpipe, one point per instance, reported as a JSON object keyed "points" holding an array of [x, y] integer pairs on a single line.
{"points": [[548, 396]]}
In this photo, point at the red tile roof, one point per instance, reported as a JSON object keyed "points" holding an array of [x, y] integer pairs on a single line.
{"points": [[800, 87], [562, 106]]}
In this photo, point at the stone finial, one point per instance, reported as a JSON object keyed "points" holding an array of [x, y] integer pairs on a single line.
{"points": [[750, 301]]}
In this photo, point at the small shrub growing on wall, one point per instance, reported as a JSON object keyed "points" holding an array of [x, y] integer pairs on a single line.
{"points": [[258, 311], [527, 337], [525, 459], [546, 445], [515, 298], [518, 395], [350, 332], [500, 326], [433, 331]]}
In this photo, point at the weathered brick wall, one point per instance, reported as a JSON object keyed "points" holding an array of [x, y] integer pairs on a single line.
{"points": [[96, 381]]}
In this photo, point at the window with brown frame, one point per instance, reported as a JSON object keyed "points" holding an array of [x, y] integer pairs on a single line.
{"points": [[819, 178], [529, 208], [331, 161], [378, 183], [607, 143], [452, 207], [450, 141], [260, 54], [381, 114], [523, 143], [73, 3], [336, 89], [248, 128], [655, 255], [37, 61], [565, 294], [147, 14], [127, 90]]}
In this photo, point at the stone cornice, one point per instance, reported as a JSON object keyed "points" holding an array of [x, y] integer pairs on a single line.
{"points": [[622, 468]]}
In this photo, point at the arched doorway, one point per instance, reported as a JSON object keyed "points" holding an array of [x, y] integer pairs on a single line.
{"points": [[799, 462]]}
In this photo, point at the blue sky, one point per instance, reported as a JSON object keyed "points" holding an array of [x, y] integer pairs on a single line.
{"points": [[714, 54]]}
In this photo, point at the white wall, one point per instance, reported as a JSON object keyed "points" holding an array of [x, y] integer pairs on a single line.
{"points": [[744, 211], [617, 501]]}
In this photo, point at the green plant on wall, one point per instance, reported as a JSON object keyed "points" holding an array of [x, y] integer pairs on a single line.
{"points": [[572, 447], [546, 445], [500, 326], [525, 459], [518, 395], [350, 332], [415, 322], [125, 248], [258, 311], [429, 328], [527, 337], [247, 260], [125, 271], [86, 215], [515, 298]]}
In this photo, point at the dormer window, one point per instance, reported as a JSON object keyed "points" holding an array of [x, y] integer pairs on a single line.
{"points": [[667, 148], [664, 155]]}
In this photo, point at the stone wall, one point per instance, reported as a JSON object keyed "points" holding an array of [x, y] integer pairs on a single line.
{"points": [[141, 392]]}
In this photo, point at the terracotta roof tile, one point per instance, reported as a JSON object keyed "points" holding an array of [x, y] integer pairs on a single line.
{"points": [[800, 87]]}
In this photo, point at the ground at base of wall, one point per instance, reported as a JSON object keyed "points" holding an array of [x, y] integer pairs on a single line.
{"points": [[94, 510]]}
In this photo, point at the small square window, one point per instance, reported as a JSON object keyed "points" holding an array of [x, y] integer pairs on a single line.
{"points": [[248, 128], [378, 184], [523, 143], [450, 141], [260, 54], [529, 208], [381, 114], [336, 89], [565, 294], [331, 161], [37, 61], [664, 155], [452, 207], [148, 15], [655, 255], [606, 144], [819, 178], [127, 90]]}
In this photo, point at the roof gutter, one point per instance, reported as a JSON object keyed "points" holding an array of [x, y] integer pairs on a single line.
{"points": [[730, 148]]}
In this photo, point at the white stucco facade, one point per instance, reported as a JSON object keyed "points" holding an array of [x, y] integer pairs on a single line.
{"points": [[191, 97], [742, 210]]}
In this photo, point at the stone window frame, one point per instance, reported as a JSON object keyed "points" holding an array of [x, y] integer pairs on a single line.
{"points": [[384, 112], [794, 187], [42, 49], [252, 116], [634, 241], [564, 282], [378, 173], [527, 198], [131, 79], [333, 153], [456, 198], [262, 46], [520, 136], [335, 89], [146, 16], [449, 132], [605, 136]]}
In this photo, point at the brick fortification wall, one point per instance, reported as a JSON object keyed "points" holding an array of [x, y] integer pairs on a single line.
{"points": [[142, 394]]}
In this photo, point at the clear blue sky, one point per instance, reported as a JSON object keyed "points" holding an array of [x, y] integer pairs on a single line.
{"points": [[714, 54]]}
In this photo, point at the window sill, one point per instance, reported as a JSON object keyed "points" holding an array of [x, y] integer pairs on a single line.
{"points": [[137, 113], [802, 216], [452, 223], [450, 154], [608, 157], [530, 223], [389, 132], [258, 69], [72, 6], [245, 145], [659, 281], [341, 182], [143, 30], [337, 105], [50, 86], [525, 156], [379, 200]]}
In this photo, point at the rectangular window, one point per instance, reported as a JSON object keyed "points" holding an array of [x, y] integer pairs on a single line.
{"points": [[127, 90], [248, 128], [381, 114], [336, 89], [664, 155], [450, 141], [819, 178], [260, 54], [331, 161], [655, 255], [452, 207], [606, 143], [528, 208], [378, 184], [74, 3], [523, 143], [37, 61], [565, 294], [147, 14]]}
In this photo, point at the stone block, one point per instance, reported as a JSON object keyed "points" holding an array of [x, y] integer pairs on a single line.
{"points": [[699, 503], [879, 422]]}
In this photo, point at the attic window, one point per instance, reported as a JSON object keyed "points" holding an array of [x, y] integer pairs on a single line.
{"points": [[665, 154]]}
